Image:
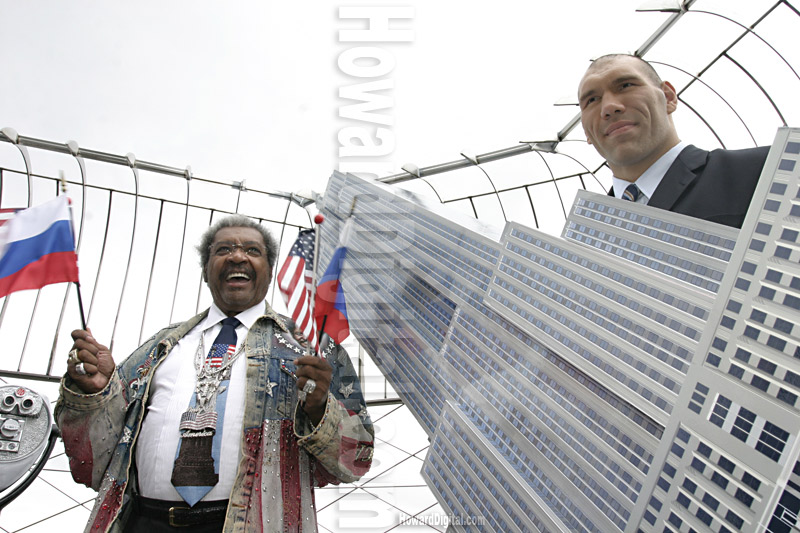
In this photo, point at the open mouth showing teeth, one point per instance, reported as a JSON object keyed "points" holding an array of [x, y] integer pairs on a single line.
{"points": [[237, 276]]}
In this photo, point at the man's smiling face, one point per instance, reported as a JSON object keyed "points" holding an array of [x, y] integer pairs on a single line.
{"points": [[240, 279], [625, 114]]}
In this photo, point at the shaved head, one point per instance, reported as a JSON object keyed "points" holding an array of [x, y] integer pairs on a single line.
{"points": [[647, 69], [626, 112]]}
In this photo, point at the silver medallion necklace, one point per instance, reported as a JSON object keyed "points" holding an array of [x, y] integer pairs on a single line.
{"points": [[200, 419]]}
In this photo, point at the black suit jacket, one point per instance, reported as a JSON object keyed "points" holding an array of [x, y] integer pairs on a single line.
{"points": [[715, 186]]}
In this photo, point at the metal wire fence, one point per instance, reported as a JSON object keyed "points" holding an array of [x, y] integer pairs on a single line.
{"points": [[137, 222]]}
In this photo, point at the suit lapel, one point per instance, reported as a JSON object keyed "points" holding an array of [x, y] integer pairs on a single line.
{"points": [[683, 171]]}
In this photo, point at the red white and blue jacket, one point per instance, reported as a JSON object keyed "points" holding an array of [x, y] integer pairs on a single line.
{"points": [[283, 455]]}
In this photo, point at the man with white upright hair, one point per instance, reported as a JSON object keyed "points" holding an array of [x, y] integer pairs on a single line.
{"points": [[220, 423]]}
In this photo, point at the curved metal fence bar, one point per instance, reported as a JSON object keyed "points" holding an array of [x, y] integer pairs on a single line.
{"points": [[124, 232], [22, 141], [710, 88], [12, 135], [28, 332], [657, 52], [464, 163], [707, 124], [494, 189], [200, 279], [760, 87], [102, 254], [131, 161], [74, 151], [183, 243], [555, 184], [677, 13], [750, 31], [152, 269], [280, 242], [592, 174]]}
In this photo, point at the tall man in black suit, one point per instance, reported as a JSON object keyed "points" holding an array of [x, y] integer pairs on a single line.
{"points": [[626, 112]]}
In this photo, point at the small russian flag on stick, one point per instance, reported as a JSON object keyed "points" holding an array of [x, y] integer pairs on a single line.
{"points": [[37, 247], [330, 308]]}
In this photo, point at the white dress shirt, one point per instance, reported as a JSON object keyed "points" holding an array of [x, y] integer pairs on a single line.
{"points": [[170, 393], [649, 181]]}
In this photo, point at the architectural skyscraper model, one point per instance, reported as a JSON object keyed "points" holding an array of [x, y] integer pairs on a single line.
{"points": [[639, 373]]}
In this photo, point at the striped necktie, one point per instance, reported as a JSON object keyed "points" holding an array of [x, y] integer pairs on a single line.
{"points": [[631, 193]]}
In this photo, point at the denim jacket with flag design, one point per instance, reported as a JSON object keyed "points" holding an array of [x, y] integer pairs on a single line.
{"points": [[283, 455]]}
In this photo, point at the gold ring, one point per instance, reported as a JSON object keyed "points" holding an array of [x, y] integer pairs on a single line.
{"points": [[73, 356]]}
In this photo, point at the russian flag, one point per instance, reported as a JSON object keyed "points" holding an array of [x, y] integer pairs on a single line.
{"points": [[37, 248], [330, 309]]}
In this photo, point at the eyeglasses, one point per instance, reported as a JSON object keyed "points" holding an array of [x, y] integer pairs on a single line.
{"points": [[222, 249]]}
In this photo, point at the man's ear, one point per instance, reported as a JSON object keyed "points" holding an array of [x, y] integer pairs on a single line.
{"points": [[205, 274], [671, 95]]}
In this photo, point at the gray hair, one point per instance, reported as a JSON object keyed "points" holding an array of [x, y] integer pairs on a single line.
{"points": [[236, 221]]}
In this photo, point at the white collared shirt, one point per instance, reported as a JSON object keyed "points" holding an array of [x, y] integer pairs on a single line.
{"points": [[170, 393], [649, 181]]}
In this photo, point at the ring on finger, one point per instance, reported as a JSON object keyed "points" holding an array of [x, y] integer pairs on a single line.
{"points": [[80, 369], [301, 396], [73, 356], [310, 385]]}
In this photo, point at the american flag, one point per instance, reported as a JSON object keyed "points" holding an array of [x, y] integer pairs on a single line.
{"points": [[197, 421], [295, 281], [218, 354]]}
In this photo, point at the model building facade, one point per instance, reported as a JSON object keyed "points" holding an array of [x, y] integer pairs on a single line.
{"points": [[639, 373]]}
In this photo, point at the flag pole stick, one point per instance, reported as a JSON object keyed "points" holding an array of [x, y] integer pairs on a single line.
{"points": [[313, 296], [80, 304], [72, 227], [322, 329]]}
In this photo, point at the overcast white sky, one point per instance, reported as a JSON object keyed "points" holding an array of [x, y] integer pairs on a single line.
{"points": [[249, 89]]}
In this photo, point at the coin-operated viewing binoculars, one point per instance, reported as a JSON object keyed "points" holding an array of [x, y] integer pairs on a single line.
{"points": [[26, 429]]}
